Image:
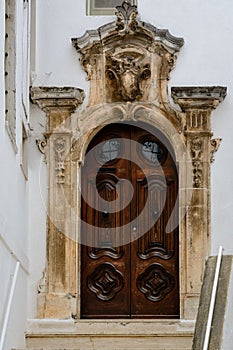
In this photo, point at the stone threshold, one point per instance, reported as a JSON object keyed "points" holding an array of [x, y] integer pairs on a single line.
{"points": [[120, 327], [118, 334]]}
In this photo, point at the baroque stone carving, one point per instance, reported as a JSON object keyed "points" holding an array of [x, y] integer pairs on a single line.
{"points": [[215, 143], [105, 281], [126, 18], [126, 73], [155, 282], [59, 145], [196, 149], [42, 145], [197, 119], [89, 64]]}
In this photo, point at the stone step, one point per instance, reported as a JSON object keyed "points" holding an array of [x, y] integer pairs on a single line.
{"points": [[109, 335]]}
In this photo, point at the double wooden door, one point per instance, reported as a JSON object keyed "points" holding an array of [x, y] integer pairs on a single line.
{"points": [[129, 259]]}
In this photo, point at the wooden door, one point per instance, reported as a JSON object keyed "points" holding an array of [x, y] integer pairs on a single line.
{"points": [[129, 262]]}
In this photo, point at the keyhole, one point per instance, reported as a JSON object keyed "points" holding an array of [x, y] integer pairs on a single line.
{"points": [[105, 214]]}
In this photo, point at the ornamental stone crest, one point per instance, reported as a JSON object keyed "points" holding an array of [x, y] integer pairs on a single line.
{"points": [[124, 59], [126, 18]]}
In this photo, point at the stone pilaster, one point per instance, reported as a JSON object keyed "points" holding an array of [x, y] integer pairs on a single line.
{"points": [[58, 297], [197, 104]]}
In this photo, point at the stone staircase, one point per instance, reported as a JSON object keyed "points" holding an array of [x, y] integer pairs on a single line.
{"points": [[109, 335]]}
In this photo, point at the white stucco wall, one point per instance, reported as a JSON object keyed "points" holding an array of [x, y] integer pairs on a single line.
{"points": [[38, 211], [13, 207]]}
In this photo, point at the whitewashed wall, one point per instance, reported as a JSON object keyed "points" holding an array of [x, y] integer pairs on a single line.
{"points": [[37, 212], [13, 205], [206, 59]]}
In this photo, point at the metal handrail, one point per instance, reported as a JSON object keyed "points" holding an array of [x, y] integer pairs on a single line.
{"points": [[212, 301], [8, 309]]}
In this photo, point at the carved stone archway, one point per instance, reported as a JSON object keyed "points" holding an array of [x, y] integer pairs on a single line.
{"points": [[128, 81]]}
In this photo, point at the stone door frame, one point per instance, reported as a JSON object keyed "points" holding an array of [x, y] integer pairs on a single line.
{"points": [[193, 150], [127, 83]]}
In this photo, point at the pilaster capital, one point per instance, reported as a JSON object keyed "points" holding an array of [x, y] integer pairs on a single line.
{"points": [[51, 97], [194, 97]]}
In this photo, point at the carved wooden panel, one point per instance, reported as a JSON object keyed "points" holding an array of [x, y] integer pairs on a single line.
{"points": [[155, 242], [105, 281], [97, 253], [155, 282], [104, 236]]}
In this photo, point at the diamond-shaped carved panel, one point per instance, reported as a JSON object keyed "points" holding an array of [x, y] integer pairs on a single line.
{"points": [[105, 281], [155, 282]]}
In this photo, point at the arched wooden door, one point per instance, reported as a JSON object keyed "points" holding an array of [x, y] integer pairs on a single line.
{"points": [[129, 262]]}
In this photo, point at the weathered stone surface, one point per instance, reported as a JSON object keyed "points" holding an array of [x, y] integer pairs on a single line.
{"points": [[53, 96], [198, 96], [127, 72], [117, 335], [220, 303], [58, 297]]}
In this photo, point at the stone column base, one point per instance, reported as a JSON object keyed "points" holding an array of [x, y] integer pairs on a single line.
{"points": [[52, 306]]}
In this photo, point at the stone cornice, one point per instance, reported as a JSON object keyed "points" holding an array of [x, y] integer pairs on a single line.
{"points": [[47, 97], [192, 97], [164, 36], [93, 37]]}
